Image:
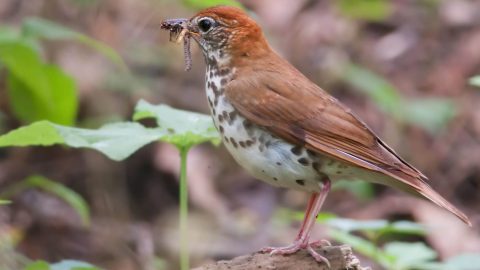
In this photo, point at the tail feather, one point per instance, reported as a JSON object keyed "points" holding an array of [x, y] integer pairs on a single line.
{"points": [[417, 185], [426, 191]]}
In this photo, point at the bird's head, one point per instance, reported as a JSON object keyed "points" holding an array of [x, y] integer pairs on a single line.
{"points": [[224, 33]]}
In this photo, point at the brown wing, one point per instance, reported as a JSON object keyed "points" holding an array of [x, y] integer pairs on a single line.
{"points": [[295, 109], [313, 118]]}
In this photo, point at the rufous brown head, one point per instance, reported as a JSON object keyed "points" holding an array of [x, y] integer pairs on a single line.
{"points": [[224, 30]]}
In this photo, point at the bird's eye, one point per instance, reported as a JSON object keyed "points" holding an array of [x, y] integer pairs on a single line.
{"points": [[205, 24]]}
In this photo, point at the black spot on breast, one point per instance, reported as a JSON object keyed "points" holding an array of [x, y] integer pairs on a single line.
{"points": [[303, 161], [297, 150], [224, 71], [210, 102], [214, 88], [231, 117], [220, 128], [261, 139], [234, 143], [261, 147], [310, 153], [220, 118], [226, 115], [226, 139], [300, 182], [250, 142], [223, 81], [268, 143], [242, 144], [279, 164], [212, 61], [247, 124], [274, 178]]}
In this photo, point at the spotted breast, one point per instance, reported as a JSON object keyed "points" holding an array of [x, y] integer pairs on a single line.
{"points": [[262, 154]]}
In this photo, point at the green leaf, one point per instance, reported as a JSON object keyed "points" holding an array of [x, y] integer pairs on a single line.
{"points": [[37, 91], [433, 114], [201, 4], [181, 128], [72, 265], [361, 189], [42, 133], [117, 141], [4, 202], [409, 255], [349, 225], [380, 226], [372, 10], [38, 265], [475, 81], [362, 246], [288, 215], [63, 265], [395, 255], [406, 227], [184, 130], [384, 94], [468, 261], [7, 34], [42, 28], [66, 194]]}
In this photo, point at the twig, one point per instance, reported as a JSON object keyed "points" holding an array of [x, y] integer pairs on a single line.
{"points": [[340, 257]]}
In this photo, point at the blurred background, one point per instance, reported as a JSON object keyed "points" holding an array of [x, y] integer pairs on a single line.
{"points": [[407, 68]]}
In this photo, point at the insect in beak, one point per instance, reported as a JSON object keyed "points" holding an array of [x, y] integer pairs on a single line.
{"points": [[177, 27], [179, 32]]}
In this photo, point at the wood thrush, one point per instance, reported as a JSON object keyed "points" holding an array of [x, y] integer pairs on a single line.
{"points": [[281, 127]]}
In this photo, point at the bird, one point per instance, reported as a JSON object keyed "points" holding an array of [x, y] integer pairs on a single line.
{"points": [[284, 129]]}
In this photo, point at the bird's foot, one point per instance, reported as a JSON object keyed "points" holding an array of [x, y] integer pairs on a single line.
{"points": [[298, 245], [320, 243]]}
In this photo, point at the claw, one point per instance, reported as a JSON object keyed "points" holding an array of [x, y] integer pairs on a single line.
{"points": [[283, 250], [296, 246], [321, 243], [319, 258]]}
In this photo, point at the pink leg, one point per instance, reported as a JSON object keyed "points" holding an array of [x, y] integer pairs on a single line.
{"points": [[311, 202], [301, 241]]}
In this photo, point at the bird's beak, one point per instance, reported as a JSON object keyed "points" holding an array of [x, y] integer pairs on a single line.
{"points": [[178, 29], [171, 23]]}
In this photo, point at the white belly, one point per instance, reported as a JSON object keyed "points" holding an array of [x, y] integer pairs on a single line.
{"points": [[265, 157]]}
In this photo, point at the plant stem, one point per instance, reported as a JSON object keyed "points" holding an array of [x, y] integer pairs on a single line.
{"points": [[184, 252]]}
